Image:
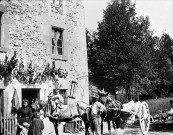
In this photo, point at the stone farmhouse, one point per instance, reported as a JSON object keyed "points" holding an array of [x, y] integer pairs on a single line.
{"points": [[41, 32]]}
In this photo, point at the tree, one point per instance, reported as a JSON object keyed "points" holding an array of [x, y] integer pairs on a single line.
{"points": [[91, 50], [119, 48], [164, 65]]}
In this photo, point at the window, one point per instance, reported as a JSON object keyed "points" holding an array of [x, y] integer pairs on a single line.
{"points": [[64, 95], [57, 2], [57, 41], [3, 49]]}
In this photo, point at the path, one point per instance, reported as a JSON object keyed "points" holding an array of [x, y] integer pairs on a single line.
{"points": [[49, 130]]}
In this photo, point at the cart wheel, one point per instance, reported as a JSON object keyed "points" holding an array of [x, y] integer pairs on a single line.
{"points": [[144, 117]]}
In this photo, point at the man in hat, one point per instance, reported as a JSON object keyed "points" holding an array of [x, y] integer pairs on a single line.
{"points": [[97, 109], [57, 97]]}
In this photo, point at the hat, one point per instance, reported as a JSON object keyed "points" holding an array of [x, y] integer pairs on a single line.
{"points": [[25, 100], [37, 115], [95, 95], [25, 124]]}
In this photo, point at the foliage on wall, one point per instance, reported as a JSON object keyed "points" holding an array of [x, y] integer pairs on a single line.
{"points": [[32, 76], [7, 66]]}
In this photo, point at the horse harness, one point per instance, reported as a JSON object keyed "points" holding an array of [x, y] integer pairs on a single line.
{"points": [[115, 105]]}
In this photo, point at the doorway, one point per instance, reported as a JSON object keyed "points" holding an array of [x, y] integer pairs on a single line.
{"points": [[30, 94]]}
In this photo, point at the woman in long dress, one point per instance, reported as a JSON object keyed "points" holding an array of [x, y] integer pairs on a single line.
{"points": [[24, 114]]}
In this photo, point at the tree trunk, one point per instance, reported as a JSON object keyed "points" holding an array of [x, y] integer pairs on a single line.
{"points": [[128, 94], [115, 91]]}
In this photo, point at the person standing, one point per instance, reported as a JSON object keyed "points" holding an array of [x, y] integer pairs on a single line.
{"points": [[24, 114], [97, 109], [57, 97], [36, 126]]}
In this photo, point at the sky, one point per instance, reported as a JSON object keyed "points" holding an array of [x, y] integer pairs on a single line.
{"points": [[160, 14]]}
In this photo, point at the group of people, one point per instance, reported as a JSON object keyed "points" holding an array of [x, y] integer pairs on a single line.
{"points": [[28, 120], [99, 112], [35, 125], [31, 121]]}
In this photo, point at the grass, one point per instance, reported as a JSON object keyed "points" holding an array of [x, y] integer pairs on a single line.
{"points": [[159, 104]]}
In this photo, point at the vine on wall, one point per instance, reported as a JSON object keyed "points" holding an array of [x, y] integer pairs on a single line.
{"points": [[32, 76], [7, 66], [10, 69]]}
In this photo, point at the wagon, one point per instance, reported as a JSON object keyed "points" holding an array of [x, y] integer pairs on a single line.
{"points": [[139, 110], [162, 120]]}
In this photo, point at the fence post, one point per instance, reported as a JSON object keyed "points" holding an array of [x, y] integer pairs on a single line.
{"points": [[4, 125], [12, 124], [15, 122], [7, 124], [1, 122], [10, 119]]}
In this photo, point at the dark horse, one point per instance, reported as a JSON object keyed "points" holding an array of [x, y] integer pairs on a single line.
{"points": [[68, 113], [113, 110]]}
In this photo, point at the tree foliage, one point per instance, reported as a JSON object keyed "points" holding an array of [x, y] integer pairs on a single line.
{"points": [[124, 53]]}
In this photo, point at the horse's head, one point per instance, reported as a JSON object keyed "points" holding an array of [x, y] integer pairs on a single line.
{"points": [[35, 105], [102, 100], [102, 96]]}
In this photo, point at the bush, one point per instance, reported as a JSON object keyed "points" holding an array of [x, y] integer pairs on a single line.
{"points": [[159, 104]]}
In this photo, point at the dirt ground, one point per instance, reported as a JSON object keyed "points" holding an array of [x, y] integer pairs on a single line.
{"points": [[155, 130]]}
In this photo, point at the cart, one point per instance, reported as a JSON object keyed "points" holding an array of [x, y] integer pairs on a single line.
{"points": [[163, 120], [141, 112]]}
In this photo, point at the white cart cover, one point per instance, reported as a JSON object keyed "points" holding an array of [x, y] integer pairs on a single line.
{"points": [[132, 107]]}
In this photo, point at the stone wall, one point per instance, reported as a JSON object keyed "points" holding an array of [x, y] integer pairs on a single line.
{"points": [[25, 23], [27, 29], [76, 39]]}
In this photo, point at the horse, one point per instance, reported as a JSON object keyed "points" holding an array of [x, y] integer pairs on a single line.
{"points": [[41, 106], [113, 111], [70, 112]]}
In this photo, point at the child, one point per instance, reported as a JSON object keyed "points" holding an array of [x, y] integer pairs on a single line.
{"points": [[24, 128], [37, 125]]}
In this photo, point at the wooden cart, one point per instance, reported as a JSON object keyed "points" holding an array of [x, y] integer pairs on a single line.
{"points": [[143, 115]]}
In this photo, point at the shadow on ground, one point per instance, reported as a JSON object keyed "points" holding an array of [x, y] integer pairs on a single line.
{"points": [[131, 130], [125, 132], [164, 127]]}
